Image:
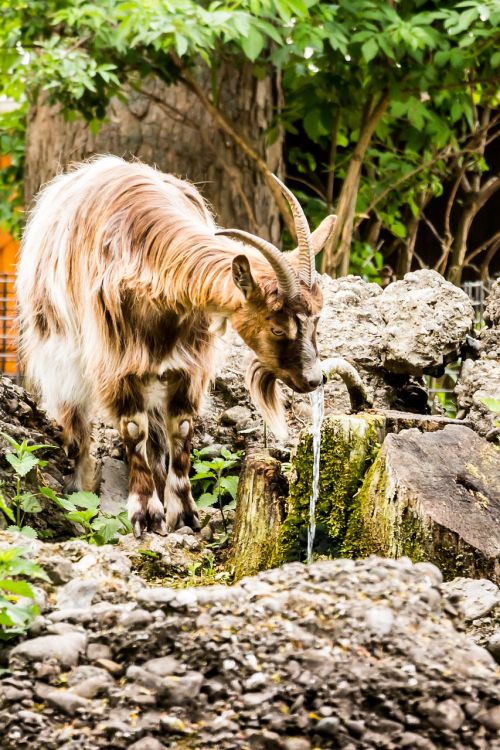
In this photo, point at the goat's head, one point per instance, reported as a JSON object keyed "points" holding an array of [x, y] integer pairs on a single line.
{"points": [[279, 316]]}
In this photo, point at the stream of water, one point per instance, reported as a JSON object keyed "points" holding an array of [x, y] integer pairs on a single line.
{"points": [[318, 410]]}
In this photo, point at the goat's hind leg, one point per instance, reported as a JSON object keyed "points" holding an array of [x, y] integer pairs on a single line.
{"points": [[144, 505], [76, 429]]}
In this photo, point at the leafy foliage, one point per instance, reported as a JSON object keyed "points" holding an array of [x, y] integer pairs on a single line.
{"points": [[212, 478], [17, 606], [80, 507], [381, 100]]}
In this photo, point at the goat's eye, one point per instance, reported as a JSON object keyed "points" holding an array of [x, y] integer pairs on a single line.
{"points": [[277, 332]]}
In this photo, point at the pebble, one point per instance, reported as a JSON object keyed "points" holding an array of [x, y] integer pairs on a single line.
{"points": [[98, 651], [147, 743], [65, 649], [77, 594], [162, 665], [447, 715], [111, 666], [493, 645], [328, 726], [297, 743], [478, 597], [66, 701], [490, 719]]}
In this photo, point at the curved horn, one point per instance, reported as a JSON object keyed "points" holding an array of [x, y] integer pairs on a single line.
{"points": [[306, 249], [288, 282]]}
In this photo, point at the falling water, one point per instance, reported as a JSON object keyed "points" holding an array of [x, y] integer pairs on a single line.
{"points": [[318, 409]]}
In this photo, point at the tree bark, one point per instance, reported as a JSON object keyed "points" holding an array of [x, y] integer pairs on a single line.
{"points": [[169, 126], [260, 511]]}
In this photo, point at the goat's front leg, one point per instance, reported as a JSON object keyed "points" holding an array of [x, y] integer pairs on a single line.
{"points": [[180, 507]]}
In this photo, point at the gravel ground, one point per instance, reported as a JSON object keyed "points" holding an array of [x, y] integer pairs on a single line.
{"points": [[340, 654]]}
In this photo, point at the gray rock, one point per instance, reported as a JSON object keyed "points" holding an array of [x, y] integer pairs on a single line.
{"points": [[94, 686], [379, 620], [239, 416], [447, 715], [147, 743], [427, 320], [490, 718], [66, 701], [65, 649], [77, 594], [162, 666], [98, 651], [328, 726], [478, 597], [493, 645], [113, 489], [297, 743]]}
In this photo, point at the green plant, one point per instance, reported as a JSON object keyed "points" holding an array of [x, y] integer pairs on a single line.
{"points": [[83, 508], [80, 507], [216, 484], [493, 404], [23, 460], [17, 606]]}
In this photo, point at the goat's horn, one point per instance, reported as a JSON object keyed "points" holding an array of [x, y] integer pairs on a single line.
{"points": [[288, 282], [306, 249]]}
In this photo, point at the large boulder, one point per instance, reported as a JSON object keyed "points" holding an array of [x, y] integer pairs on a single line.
{"points": [[339, 654], [432, 496], [478, 385]]}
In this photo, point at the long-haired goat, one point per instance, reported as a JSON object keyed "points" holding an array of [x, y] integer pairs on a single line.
{"points": [[124, 288]]}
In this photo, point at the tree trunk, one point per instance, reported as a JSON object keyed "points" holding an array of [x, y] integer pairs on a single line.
{"points": [[168, 126], [338, 247]]}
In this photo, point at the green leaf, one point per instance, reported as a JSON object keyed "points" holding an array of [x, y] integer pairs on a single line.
{"points": [[82, 516], [493, 404], [206, 500], [20, 588], [108, 528], [369, 49], [84, 499], [23, 465], [5, 508], [28, 531], [230, 485], [253, 44], [29, 503]]}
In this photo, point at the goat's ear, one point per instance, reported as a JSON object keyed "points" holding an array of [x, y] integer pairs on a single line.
{"points": [[319, 237], [242, 276]]}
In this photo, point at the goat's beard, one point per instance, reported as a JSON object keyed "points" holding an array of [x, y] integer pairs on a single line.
{"points": [[267, 397]]}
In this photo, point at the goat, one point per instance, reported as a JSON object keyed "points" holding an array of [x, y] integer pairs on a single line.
{"points": [[124, 287]]}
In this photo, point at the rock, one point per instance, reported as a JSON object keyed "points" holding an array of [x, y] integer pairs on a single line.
{"points": [[113, 489], [111, 666], [427, 320], [94, 686], [328, 727], [239, 416], [493, 645], [77, 594], [447, 715], [162, 666], [147, 743], [97, 651], [477, 597], [297, 743], [64, 649], [479, 377], [66, 701], [432, 496], [490, 719]]}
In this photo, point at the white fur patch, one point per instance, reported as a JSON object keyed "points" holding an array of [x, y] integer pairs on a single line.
{"points": [[134, 505]]}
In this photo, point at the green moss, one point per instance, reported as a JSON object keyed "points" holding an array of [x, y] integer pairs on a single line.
{"points": [[348, 446]]}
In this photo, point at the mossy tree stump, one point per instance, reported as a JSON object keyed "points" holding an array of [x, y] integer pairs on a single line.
{"points": [[260, 510], [432, 496], [349, 444]]}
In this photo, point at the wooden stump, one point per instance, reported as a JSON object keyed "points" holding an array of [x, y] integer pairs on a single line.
{"points": [[260, 511]]}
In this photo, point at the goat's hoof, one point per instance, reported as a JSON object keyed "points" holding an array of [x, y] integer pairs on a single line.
{"points": [[158, 525], [138, 524]]}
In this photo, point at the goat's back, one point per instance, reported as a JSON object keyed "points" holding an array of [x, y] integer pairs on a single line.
{"points": [[94, 232]]}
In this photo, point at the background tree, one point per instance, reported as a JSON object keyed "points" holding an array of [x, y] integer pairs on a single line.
{"points": [[381, 103]]}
